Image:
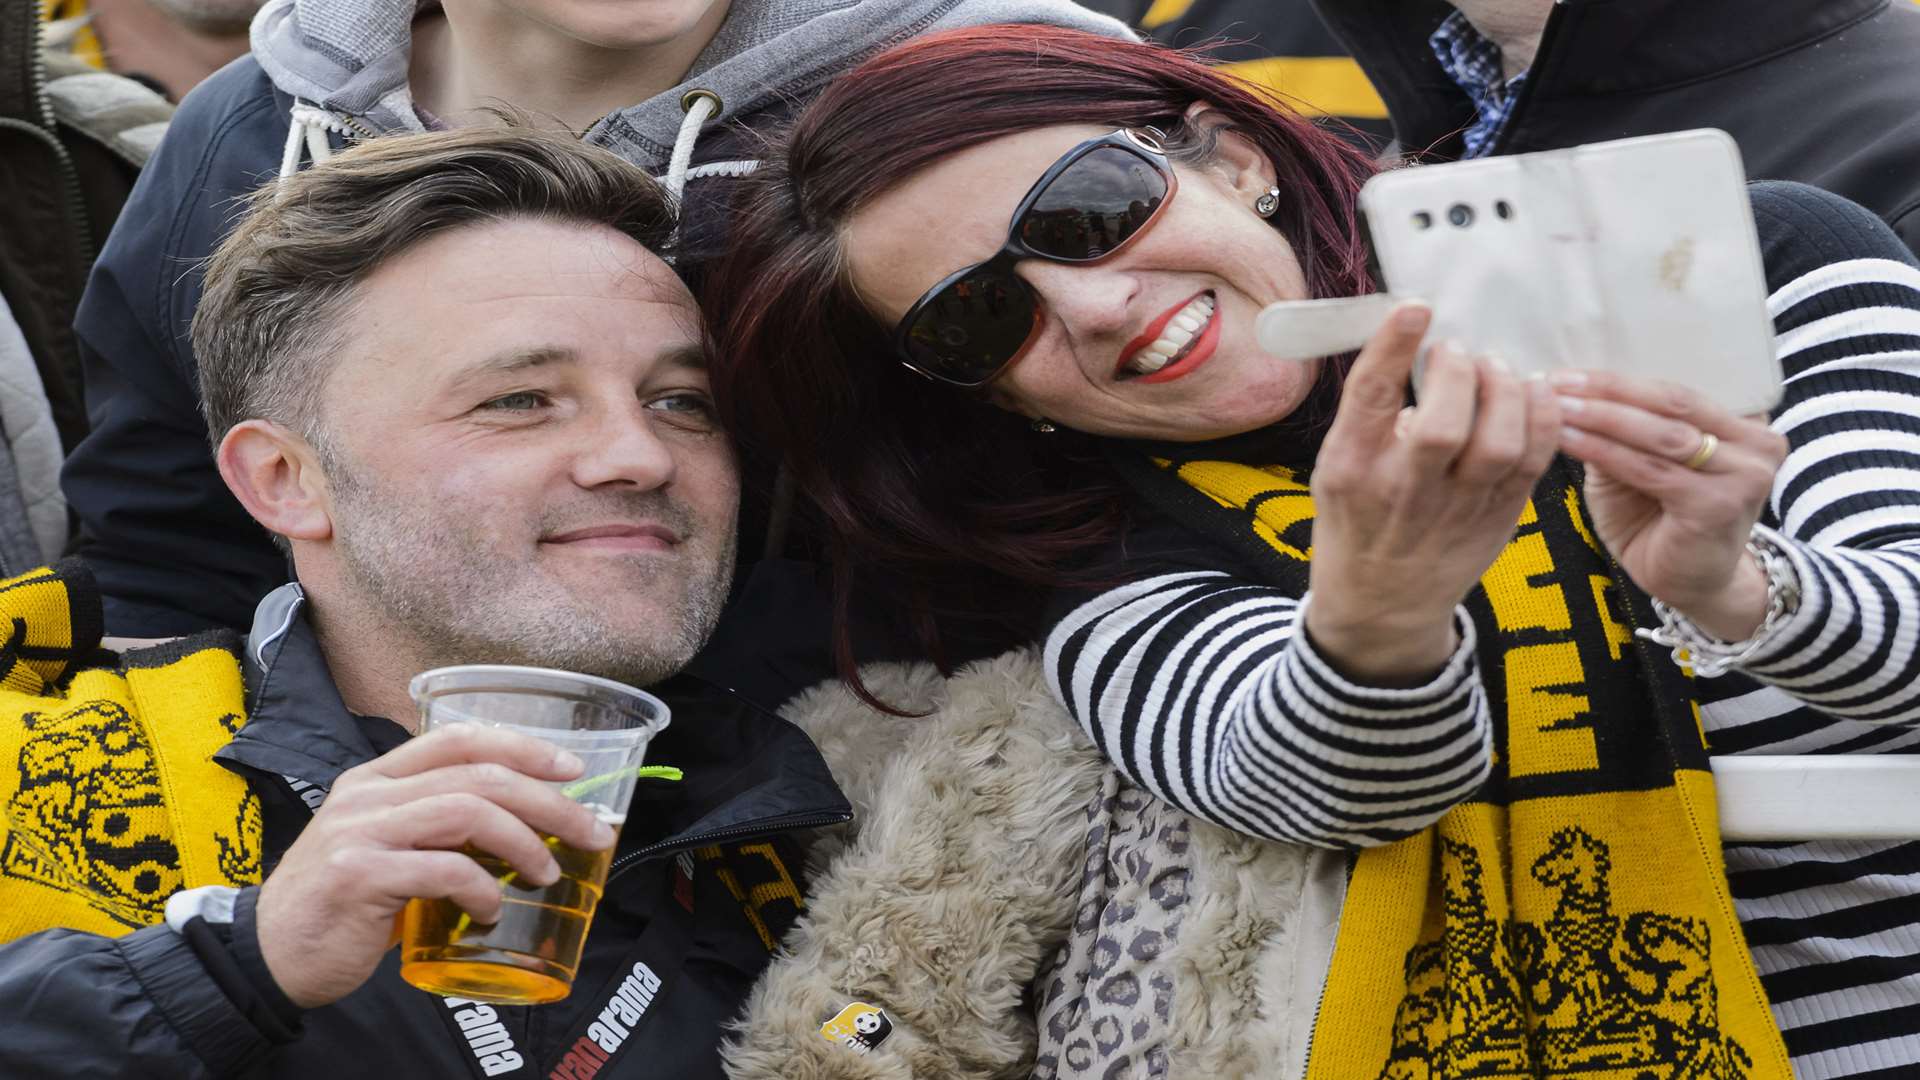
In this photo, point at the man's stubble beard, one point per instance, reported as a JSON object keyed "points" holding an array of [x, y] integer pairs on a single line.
{"points": [[437, 581]]}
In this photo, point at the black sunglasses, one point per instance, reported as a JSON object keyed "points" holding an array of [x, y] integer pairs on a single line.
{"points": [[977, 321]]}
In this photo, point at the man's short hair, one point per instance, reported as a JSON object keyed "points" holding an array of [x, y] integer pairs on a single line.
{"points": [[280, 289]]}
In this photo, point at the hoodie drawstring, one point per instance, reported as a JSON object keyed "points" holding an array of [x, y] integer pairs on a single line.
{"points": [[700, 106], [309, 125]]}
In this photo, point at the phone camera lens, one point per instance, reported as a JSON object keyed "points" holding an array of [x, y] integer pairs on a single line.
{"points": [[1460, 214], [1503, 210], [1423, 219]]}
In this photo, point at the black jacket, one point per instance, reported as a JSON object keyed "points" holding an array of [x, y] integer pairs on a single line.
{"points": [[147, 1004], [1826, 92], [61, 187]]}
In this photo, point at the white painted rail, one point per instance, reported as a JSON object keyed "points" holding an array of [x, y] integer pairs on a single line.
{"points": [[1837, 797]]}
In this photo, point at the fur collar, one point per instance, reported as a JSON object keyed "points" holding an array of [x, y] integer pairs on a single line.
{"points": [[955, 887]]}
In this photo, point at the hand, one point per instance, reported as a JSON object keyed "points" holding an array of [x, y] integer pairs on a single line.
{"points": [[1680, 533], [1412, 506], [390, 831]]}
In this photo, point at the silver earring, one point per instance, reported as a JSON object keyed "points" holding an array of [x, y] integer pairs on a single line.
{"points": [[1043, 426], [1266, 204]]}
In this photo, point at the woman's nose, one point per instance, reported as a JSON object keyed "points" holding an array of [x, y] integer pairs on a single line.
{"points": [[624, 449], [1089, 301]]}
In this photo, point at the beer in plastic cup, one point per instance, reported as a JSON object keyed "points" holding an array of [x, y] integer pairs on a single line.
{"points": [[530, 954]]}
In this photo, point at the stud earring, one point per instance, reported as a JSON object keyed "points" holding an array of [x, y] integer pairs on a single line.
{"points": [[1043, 426], [1266, 204]]}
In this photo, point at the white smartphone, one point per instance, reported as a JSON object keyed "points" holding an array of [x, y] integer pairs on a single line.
{"points": [[1637, 255]]}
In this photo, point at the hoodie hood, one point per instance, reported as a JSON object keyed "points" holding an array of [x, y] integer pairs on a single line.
{"points": [[350, 57]]}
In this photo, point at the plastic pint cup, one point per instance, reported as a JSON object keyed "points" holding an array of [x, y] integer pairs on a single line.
{"points": [[530, 954]]}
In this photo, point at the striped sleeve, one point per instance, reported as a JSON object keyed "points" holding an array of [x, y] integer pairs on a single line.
{"points": [[1197, 686], [1847, 499]]}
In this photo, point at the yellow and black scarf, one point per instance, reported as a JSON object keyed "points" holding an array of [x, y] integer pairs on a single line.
{"points": [[110, 796], [1573, 918]]}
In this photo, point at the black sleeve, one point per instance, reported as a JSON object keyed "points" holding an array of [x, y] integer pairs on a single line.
{"points": [[1152, 545], [144, 1005], [173, 552]]}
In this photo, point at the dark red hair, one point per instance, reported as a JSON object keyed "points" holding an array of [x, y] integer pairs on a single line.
{"points": [[955, 505]]}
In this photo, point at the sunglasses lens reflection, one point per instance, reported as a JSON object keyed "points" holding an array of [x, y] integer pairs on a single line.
{"points": [[1094, 206], [973, 327]]}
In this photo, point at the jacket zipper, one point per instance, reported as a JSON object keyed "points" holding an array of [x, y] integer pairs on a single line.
{"points": [[363, 130], [804, 820], [1320, 1001], [48, 132]]}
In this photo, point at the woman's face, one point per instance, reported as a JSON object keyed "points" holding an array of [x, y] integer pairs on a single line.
{"points": [[1085, 367]]}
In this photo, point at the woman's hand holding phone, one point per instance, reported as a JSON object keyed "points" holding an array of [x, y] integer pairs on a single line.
{"points": [[1413, 505], [1673, 507]]}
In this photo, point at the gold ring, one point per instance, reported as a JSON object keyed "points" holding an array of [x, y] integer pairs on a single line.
{"points": [[1709, 442]]}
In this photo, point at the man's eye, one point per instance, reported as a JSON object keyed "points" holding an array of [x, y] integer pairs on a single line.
{"points": [[524, 401]]}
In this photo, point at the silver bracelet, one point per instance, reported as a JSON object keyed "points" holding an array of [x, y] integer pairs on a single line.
{"points": [[1710, 656]]}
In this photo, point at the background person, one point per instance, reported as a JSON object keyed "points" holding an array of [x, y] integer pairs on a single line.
{"points": [[456, 379], [1289, 665], [169, 45], [173, 551], [1816, 91], [73, 139]]}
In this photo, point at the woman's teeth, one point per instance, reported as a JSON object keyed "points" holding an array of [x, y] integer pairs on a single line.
{"points": [[1175, 338]]}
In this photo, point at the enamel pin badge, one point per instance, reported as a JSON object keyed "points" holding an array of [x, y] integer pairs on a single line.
{"points": [[859, 1027]]}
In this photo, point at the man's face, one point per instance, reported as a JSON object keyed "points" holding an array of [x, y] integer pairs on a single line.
{"points": [[522, 455], [620, 24], [211, 16]]}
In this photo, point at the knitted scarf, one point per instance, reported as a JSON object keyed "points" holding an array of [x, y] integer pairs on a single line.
{"points": [[111, 798], [1573, 918]]}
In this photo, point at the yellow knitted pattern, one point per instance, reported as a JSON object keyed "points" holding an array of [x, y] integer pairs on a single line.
{"points": [[111, 798], [1573, 919]]}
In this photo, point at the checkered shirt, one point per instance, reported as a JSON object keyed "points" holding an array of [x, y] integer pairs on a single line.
{"points": [[1472, 61]]}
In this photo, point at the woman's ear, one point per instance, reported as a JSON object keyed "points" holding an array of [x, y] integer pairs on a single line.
{"points": [[277, 476], [1237, 160]]}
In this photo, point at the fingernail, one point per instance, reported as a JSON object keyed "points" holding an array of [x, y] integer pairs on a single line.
{"points": [[1571, 434], [1411, 315], [1571, 404], [1499, 365], [551, 873], [602, 834], [568, 762], [1568, 380], [1450, 347], [1537, 389]]}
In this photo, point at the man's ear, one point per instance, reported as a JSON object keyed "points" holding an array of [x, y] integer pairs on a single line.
{"points": [[276, 475], [1236, 159]]}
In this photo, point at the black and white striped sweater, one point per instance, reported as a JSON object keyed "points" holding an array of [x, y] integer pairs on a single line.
{"points": [[1193, 681]]}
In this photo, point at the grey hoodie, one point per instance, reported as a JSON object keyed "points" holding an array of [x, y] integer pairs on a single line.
{"points": [[349, 58]]}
